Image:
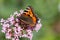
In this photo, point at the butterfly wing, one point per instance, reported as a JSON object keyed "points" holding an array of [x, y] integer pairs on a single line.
{"points": [[29, 17]]}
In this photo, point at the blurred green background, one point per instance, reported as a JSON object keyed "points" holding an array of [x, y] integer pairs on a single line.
{"points": [[47, 10]]}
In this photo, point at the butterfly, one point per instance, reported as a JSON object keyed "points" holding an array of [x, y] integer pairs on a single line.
{"points": [[28, 18]]}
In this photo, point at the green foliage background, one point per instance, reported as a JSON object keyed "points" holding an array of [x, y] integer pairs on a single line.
{"points": [[45, 9]]}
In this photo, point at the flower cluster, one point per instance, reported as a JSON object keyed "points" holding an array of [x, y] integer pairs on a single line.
{"points": [[13, 30]]}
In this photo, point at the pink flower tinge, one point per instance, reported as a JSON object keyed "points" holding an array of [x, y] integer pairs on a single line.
{"points": [[38, 26], [14, 31]]}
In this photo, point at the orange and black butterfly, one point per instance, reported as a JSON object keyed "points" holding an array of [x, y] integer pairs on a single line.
{"points": [[28, 18]]}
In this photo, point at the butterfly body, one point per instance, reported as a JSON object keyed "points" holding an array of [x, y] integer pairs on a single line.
{"points": [[28, 18]]}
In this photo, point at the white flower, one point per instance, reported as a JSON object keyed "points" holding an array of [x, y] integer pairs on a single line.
{"points": [[17, 20], [3, 31], [2, 20], [15, 39], [16, 25], [21, 11], [15, 13], [29, 34], [24, 35], [29, 31], [13, 30], [38, 26], [8, 36], [11, 18]]}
